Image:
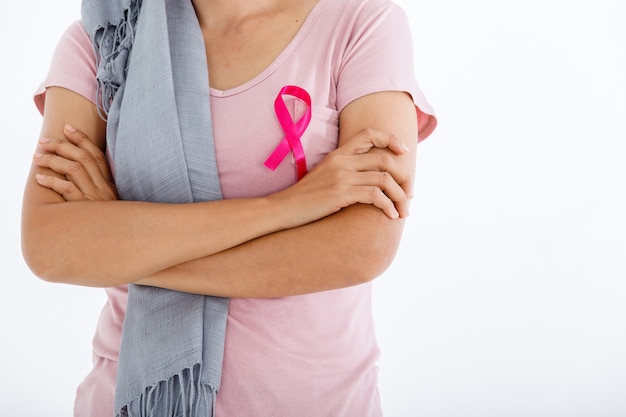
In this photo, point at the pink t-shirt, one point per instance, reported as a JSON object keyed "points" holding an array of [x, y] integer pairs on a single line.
{"points": [[312, 355]]}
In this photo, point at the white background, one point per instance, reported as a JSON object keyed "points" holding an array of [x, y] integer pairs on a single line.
{"points": [[508, 294]]}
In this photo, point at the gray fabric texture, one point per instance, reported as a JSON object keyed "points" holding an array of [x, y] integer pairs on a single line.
{"points": [[154, 92]]}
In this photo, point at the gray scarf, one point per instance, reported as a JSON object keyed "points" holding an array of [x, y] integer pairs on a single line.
{"points": [[153, 88]]}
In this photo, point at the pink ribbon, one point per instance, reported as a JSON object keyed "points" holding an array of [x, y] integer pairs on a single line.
{"points": [[293, 131]]}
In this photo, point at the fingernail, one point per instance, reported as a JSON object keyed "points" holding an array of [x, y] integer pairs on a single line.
{"points": [[44, 140], [40, 177], [70, 128], [405, 147], [36, 155]]}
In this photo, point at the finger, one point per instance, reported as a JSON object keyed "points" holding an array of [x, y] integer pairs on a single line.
{"points": [[381, 169], [367, 139], [72, 170], [76, 163], [385, 183], [397, 166], [383, 161], [376, 197], [78, 147], [66, 189], [81, 140], [404, 208]]}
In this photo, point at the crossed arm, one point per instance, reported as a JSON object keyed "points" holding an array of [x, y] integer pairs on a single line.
{"points": [[338, 226]]}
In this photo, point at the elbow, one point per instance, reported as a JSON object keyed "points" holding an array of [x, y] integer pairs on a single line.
{"points": [[375, 254], [41, 251], [367, 268], [37, 266], [62, 262], [35, 243], [39, 262]]}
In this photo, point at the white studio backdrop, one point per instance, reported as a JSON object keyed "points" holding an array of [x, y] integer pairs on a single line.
{"points": [[507, 295]]}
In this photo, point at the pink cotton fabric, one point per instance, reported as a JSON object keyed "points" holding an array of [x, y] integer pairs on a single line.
{"points": [[313, 355]]}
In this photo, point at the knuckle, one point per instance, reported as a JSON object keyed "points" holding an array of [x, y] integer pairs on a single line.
{"points": [[374, 193], [373, 136], [407, 179], [74, 167], [386, 179], [55, 142], [84, 156], [79, 140], [67, 187], [368, 132], [383, 158], [100, 158]]}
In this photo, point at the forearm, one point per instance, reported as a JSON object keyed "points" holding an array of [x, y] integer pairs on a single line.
{"points": [[244, 242], [348, 248], [105, 243]]}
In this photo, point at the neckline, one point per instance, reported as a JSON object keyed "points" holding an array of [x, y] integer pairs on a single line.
{"points": [[308, 23]]}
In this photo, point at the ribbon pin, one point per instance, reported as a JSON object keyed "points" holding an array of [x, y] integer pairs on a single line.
{"points": [[293, 131]]}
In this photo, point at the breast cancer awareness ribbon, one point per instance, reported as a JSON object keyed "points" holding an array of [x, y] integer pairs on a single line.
{"points": [[293, 131]]}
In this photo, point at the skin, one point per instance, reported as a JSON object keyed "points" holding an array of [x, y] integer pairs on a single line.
{"points": [[338, 226]]}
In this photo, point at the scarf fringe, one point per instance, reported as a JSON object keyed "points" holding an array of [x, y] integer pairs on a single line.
{"points": [[181, 395], [112, 44]]}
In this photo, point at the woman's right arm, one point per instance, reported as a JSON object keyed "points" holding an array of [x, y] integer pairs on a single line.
{"points": [[107, 243]]}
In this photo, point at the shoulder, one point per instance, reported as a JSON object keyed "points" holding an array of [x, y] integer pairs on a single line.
{"points": [[77, 32], [73, 65], [75, 43], [377, 54], [356, 23], [360, 11]]}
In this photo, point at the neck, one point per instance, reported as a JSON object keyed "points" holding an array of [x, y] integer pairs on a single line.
{"points": [[227, 12]]}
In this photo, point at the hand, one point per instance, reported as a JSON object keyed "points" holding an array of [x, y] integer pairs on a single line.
{"points": [[363, 170], [82, 167]]}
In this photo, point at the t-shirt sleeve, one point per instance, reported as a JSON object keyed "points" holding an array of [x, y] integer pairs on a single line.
{"points": [[379, 58], [73, 66]]}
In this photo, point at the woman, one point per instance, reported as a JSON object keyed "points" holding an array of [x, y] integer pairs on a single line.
{"points": [[295, 253]]}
